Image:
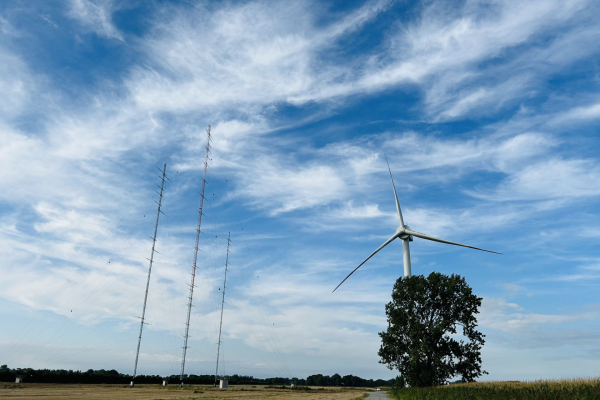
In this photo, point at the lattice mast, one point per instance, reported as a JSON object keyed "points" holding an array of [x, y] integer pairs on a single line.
{"points": [[187, 322], [151, 259], [222, 304]]}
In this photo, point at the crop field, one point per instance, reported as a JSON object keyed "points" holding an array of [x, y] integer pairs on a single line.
{"points": [[116, 392], [581, 389]]}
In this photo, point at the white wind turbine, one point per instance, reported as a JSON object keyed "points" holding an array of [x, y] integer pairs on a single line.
{"points": [[404, 233]]}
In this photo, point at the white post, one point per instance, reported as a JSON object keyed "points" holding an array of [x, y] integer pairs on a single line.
{"points": [[406, 257]]}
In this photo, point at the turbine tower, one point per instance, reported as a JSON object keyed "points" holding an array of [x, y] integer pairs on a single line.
{"points": [[404, 233]]}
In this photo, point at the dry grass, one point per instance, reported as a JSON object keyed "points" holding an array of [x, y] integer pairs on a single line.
{"points": [[46, 391]]}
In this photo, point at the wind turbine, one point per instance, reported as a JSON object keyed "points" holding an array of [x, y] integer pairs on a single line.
{"points": [[406, 234]]}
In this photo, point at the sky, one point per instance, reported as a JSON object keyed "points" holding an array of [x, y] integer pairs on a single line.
{"points": [[488, 112]]}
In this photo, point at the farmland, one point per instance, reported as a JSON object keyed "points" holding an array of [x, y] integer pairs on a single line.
{"points": [[580, 389], [46, 391]]}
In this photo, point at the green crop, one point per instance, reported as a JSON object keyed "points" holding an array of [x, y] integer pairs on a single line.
{"points": [[577, 389]]}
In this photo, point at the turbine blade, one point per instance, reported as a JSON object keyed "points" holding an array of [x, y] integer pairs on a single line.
{"points": [[400, 219], [367, 259], [433, 238]]}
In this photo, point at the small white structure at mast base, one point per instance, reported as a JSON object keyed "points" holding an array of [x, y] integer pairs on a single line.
{"points": [[223, 383]]}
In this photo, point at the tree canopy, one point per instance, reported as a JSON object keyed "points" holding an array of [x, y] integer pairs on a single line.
{"points": [[422, 340]]}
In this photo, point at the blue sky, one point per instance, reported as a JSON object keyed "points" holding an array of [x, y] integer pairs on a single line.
{"points": [[487, 110]]}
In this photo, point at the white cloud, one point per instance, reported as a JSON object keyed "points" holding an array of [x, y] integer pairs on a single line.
{"points": [[507, 317], [96, 15], [582, 113], [283, 190], [7, 28], [247, 58], [482, 100], [16, 85], [349, 169], [505, 154], [349, 211], [449, 44], [549, 180], [254, 53], [444, 50], [591, 232], [48, 20]]}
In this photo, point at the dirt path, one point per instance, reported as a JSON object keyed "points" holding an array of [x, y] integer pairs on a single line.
{"points": [[378, 396]]}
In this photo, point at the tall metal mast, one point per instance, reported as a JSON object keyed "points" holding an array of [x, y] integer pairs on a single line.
{"points": [[222, 304], [137, 354], [187, 322]]}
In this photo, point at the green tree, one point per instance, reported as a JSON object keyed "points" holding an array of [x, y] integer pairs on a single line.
{"points": [[349, 380], [315, 380], [336, 380], [423, 316]]}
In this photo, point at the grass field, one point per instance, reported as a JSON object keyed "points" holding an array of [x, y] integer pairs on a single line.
{"points": [[47, 391], [581, 389]]}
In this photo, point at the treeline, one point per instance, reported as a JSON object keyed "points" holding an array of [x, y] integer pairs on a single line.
{"points": [[114, 377], [348, 380], [70, 376], [233, 380]]}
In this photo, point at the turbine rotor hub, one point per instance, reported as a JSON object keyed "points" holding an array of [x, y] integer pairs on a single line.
{"points": [[402, 235]]}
